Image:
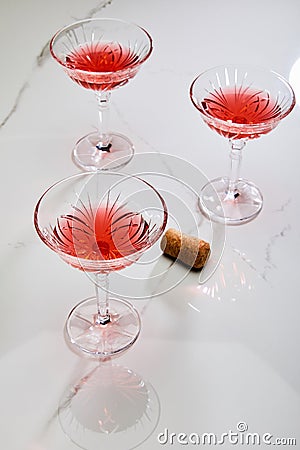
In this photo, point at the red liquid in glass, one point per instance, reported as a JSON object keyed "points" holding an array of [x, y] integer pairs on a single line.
{"points": [[106, 233], [97, 65], [242, 106]]}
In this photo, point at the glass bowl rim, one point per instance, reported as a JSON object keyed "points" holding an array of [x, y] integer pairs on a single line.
{"points": [[100, 262], [241, 126], [99, 19]]}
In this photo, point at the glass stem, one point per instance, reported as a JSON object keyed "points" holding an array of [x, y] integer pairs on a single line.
{"points": [[237, 146], [101, 285], [103, 98]]}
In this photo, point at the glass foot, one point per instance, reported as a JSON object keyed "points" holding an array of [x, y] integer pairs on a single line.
{"points": [[220, 206], [85, 336], [88, 157], [111, 407]]}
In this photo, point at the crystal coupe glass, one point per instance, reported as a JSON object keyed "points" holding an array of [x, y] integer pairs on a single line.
{"points": [[101, 55], [100, 222], [239, 103]]}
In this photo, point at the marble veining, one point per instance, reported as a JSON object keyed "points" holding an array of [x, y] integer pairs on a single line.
{"points": [[268, 258], [92, 12], [15, 105], [44, 55], [284, 206], [270, 264], [18, 244]]}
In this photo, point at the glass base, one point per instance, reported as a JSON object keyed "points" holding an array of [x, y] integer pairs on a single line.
{"points": [[110, 408], [85, 336], [88, 157], [236, 208]]}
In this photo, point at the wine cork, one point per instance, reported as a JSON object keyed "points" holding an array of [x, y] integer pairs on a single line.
{"points": [[188, 249]]}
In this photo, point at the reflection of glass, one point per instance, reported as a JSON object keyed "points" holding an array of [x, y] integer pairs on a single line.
{"points": [[234, 280], [239, 103], [228, 283], [111, 408], [101, 55], [101, 222]]}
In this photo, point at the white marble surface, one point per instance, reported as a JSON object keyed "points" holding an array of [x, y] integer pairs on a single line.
{"points": [[216, 354]]}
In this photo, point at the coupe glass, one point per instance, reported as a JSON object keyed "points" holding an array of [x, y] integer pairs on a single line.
{"points": [[100, 222], [101, 55], [239, 103]]}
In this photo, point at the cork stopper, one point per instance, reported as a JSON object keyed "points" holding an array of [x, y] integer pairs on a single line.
{"points": [[190, 250]]}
